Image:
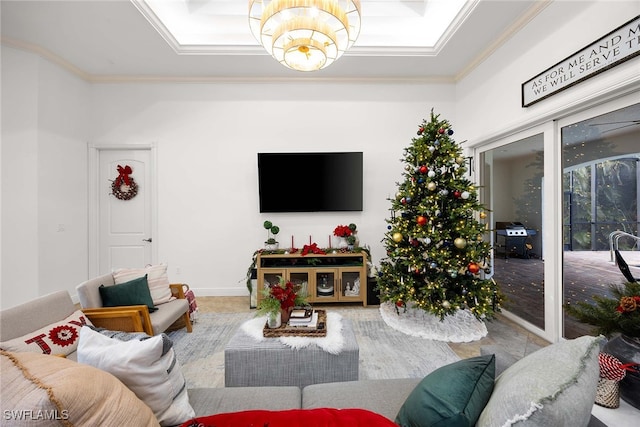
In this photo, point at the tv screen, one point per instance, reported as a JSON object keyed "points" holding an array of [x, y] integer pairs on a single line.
{"points": [[310, 182]]}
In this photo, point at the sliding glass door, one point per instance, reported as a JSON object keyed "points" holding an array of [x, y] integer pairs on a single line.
{"points": [[601, 185], [512, 176]]}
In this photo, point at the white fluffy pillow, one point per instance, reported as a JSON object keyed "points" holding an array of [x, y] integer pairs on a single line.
{"points": [[157, 279], [57, 338], [146, 365]]}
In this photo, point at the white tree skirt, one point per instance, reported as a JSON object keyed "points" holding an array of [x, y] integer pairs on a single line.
{"points": [[459, 327]]}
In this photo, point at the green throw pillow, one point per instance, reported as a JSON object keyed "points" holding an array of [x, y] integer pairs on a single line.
{"points": [[133, 292], [451, 396]]}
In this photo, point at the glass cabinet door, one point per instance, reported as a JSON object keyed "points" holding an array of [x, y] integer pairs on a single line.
{"points": [[350, 284], [267, 278], [303, 278], [326, 285]]}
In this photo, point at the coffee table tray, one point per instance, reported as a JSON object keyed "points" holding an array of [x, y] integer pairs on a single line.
{"points": [[299, 331]]}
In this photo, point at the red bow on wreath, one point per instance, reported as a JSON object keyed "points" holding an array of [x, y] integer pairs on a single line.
{"points": [[124, 175]]}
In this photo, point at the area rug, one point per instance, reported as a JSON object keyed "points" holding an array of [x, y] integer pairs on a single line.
{"points": [[384, 352], [459, 327]]}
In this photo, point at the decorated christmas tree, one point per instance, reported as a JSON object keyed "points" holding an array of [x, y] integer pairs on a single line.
{"points": [[437, 259]]}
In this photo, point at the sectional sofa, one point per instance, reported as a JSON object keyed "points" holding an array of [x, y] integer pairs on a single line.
{"points": [[552, 386]]}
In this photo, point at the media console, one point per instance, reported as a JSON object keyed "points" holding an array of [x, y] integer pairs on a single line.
{"points": [[334, 277]]}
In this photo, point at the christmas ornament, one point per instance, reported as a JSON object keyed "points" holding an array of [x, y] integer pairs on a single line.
{"points": [[460, 243], [441, 131], [423, 169], [431, 186], [420, 130], [473, 268], [124, 187], [446, 304], [432, 148], [483, 215], [431, 174], [456, 194], [397, 237], [459, 160], [421, 220], [465, 195]]}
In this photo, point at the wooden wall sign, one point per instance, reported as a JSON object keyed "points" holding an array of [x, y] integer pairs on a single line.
{"points": [[618, 46]]}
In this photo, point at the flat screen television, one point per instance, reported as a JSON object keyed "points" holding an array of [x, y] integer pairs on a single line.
{"points": [[310, 182]]}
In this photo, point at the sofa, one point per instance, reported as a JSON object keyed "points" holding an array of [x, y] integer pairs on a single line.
{"points": [[555, 385]]}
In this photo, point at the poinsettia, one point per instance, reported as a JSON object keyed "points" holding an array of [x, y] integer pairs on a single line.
{"points": [[284, 294], [342, 231]]}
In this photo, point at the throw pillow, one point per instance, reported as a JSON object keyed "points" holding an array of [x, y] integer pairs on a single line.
{"points": [[554, 386], [43, 390], [452, 395], [320, 417], [60, 338], [133, 292], [147, 365], [157, 279]]}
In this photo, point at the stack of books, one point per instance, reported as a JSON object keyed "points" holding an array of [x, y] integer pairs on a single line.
{"points": [[303, 318]]}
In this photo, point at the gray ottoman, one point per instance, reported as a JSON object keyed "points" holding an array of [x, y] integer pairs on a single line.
{"points": [[248, 362]]}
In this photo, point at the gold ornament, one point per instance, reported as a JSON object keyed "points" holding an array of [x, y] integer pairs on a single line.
{"points": [[460, 243], [483, 215], [397, 237], [431, 186]]}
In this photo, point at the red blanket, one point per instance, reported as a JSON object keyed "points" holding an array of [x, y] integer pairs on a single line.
{"points": [[321, 417]]}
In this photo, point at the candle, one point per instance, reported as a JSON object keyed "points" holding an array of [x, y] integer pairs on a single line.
{"points": [[329, 240], [309, 239], [292, 241]]}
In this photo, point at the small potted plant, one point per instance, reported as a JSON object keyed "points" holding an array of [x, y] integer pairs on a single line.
{"points": [[271, 243]]}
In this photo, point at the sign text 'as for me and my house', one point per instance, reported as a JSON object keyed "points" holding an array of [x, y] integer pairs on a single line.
{"points": [[618, 46]]}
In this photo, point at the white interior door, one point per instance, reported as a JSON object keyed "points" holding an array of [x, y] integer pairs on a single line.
{"points": [[124, 220]]}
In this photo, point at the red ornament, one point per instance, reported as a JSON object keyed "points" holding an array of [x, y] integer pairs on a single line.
{"points": [[420, 130], [457, 194], [399, 303], [473, 268], [441, 130], [423, 169], [421, 220]]}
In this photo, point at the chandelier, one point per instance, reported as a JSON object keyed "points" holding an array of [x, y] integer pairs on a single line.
{"points": [[305, 35]]}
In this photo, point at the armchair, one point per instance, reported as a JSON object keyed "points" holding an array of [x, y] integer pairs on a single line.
{"points": [[134, 318]]}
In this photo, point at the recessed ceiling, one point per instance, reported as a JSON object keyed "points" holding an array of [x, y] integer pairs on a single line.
{"points": [[215, 26], [119, 40]]}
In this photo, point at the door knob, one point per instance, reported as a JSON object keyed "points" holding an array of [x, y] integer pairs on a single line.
{"points": [[148, 240]]}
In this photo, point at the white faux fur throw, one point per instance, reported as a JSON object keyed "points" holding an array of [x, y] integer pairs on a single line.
{"points": [[332, 343]]}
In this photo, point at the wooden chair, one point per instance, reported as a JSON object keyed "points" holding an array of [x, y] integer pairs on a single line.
{"points": [[134, 318]]}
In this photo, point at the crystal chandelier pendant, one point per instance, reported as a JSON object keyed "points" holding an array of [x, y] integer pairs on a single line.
{"points": [[305, 35]]}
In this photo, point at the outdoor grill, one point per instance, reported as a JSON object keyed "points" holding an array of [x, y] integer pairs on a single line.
{"points": [[514, 237]]}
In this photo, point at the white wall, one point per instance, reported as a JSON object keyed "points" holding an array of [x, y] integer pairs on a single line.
{"points": [[488, 100], [44, 174], [208, 137]]}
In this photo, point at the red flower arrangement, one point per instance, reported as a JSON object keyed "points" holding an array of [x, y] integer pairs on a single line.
{"points": [[283, 295], [342, 231]]}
